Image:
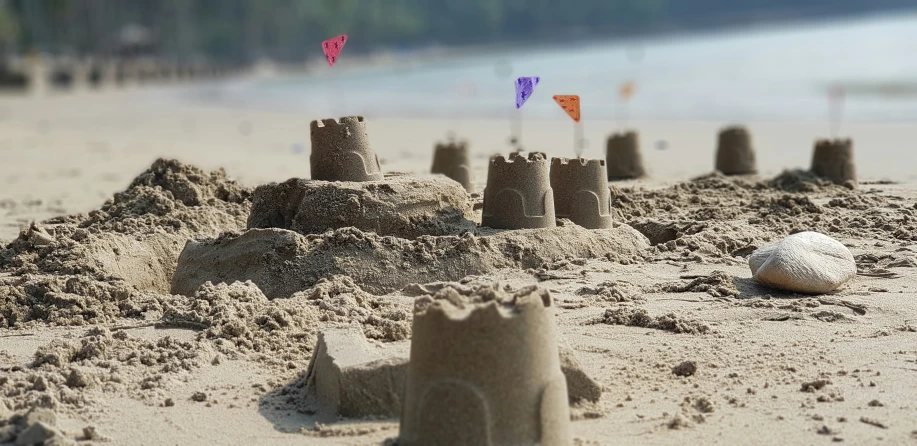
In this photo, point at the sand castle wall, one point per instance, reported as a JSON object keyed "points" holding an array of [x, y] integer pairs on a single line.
{"points": [[497, 365], [581, 191], [622, 154], [341, 151], [400, 205], [833, 160], [734, 152], [518, 193], [451, 159]]}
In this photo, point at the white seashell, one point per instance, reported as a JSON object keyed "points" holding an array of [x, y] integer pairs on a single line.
{"points": [[806, 262]]}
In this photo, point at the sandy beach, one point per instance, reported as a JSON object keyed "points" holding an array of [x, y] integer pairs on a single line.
{"points": [[771, 367]]}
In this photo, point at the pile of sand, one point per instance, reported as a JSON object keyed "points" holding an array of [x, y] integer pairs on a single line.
{"points": [[401, 206], [283, 262], [715, 217], [173, 251], [90, 268]]}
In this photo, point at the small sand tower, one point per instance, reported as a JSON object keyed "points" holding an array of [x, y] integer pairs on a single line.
{"points": [[484, 370], [833, 160], [734, 152], [581, 192], [622, 152], [518, 193], [341, 151], [451, 159]]}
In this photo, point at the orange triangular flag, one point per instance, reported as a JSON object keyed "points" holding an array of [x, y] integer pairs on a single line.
{"points": [[570, 104], [627, 90]]}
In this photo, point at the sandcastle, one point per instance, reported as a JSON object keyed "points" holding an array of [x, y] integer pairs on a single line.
{"points": [[622, 152], [484, 370], [581, 192], [734, 152], [518, 193], [341, 151], [451, 159], [833, 160]]}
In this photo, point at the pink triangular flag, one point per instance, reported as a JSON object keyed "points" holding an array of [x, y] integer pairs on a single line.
{"points": [[333, 47]]}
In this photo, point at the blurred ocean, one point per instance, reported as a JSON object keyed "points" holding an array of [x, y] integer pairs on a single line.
{"points": [[756, 74]]}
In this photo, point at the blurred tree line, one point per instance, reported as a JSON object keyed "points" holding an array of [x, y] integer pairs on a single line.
{"points": [[242, 30]]}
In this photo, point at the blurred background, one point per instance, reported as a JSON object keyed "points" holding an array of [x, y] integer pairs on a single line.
{"points": [[687, 59], [92, 91]]}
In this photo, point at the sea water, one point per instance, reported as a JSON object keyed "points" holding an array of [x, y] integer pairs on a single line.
{"points": [[770, 73]]}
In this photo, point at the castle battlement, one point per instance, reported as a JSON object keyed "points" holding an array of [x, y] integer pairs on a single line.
{"points": [[451, 146], [734, 130], [515, 310], [630, 134], [518, 163], [350, 122], [833, 144], [576, 164]]}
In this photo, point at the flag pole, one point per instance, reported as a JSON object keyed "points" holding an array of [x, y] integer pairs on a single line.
{"points": [[578, 139]]}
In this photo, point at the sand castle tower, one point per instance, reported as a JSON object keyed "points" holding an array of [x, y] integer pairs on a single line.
{"points": [[451, 159], [484, 370], [734, 152], [518, 193], [622, 152], [341, 151], [581, 192], [833, 160]]}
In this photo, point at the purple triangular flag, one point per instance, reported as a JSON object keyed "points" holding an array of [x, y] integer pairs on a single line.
{"points": [[524, 88]]}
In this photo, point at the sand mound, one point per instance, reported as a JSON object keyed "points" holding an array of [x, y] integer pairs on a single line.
{"points": [[73, 269], [283, 262], [399, 205], [716, 217]]}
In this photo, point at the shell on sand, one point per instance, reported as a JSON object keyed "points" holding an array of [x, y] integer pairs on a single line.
{"points": [[806, 262]]}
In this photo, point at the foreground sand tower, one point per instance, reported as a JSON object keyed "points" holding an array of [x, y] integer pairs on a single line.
{"points": [[485, 373], [833, 160], [581, 192], [518, 193], [341, 151], [622, 152], [734, 152], [451, 159]]}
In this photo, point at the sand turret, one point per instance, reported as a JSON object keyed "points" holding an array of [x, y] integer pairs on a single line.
{"points": [[734, 152], [451, 159], [581, 192], [484, 370], [341, 151], [622, 153], [518, 193], [833, 160]]}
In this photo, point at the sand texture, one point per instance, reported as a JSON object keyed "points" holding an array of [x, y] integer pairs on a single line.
{"points": [[138, 307], [398, 205]]}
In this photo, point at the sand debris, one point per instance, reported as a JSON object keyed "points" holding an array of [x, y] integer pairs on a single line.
{"points": [[716, 284], [638, 317]]}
